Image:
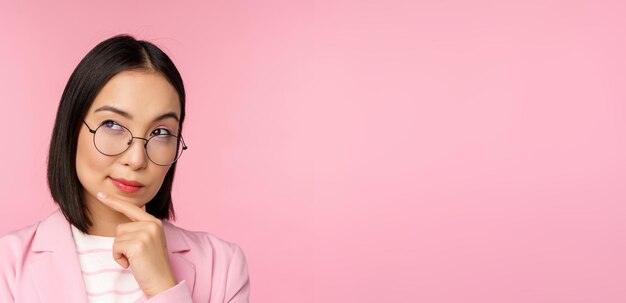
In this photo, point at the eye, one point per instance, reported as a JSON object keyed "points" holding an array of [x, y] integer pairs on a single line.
{"points": [[110, 124], [160, 132]]}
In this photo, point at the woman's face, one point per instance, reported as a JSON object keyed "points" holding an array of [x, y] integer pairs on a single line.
{"points": [[145, 103]]}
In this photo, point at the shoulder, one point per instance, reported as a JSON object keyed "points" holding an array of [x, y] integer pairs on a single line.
{"points": [[200, 241], [16, 243], [14, 253], [227, 264], [24, 239], [16, 246]]}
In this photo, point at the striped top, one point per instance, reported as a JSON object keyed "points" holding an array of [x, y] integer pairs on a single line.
{"points": [[105, 280]]}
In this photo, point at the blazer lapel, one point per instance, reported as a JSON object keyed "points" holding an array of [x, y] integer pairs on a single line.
{"points": [[182, 268], [55, 268]]}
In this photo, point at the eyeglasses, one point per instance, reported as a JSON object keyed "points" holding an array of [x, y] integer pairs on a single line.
{"points": [[112, 139]]}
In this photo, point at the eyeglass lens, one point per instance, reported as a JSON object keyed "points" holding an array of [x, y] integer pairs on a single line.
{"points": [[113, 139]]}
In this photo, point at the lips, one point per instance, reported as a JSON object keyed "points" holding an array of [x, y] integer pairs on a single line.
{"points": [[128, 186]]}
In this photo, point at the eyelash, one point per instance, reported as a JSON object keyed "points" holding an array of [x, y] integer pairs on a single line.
{"points": [[110, 122], [160, 128], [152, 133]]}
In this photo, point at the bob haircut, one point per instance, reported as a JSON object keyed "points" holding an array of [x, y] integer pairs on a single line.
{"points": [[110, 57]]}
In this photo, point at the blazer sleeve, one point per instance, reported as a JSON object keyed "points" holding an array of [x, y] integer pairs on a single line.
{"points": [[7, 270], [237, 281], [5, 289], [179, 294]]}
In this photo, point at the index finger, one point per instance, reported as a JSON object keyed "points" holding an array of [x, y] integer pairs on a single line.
{"points": [[130, 210]]}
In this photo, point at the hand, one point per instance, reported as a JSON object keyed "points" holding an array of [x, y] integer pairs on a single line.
{"points": [[141, 245]]}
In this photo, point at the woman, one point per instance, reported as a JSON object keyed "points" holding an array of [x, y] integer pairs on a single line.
{"points": [[113, 154]]}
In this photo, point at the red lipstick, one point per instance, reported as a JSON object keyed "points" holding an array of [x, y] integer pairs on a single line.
{"points": [[127, 185]]}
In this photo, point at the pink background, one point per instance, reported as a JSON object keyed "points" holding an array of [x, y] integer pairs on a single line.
{"points": [[367, 151]]}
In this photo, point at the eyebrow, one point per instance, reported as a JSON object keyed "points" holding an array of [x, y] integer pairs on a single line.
{"points": [[129, 116]]}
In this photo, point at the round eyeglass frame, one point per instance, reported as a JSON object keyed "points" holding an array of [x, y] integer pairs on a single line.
{"points": [[130, 142]]}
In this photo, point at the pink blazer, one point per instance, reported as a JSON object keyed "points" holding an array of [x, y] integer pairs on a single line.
{"points": [[39, 264]]}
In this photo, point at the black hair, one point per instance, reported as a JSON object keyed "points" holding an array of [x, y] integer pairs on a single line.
{"points": [[105, 60]]}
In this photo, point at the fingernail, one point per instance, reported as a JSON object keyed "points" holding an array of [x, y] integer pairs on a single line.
{"points": [[102, 195]]}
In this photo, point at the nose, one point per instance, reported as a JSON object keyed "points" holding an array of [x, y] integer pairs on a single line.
{"points": [[135, 156]]}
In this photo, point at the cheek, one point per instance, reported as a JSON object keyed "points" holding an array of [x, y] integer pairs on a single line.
{"points": [[158, 176], [91, 165]]}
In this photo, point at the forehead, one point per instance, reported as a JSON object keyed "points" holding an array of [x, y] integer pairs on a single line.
{"points": [[142, 94]]}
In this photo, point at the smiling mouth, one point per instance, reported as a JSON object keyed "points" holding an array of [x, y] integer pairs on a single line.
{"points": [[126, 186]]}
